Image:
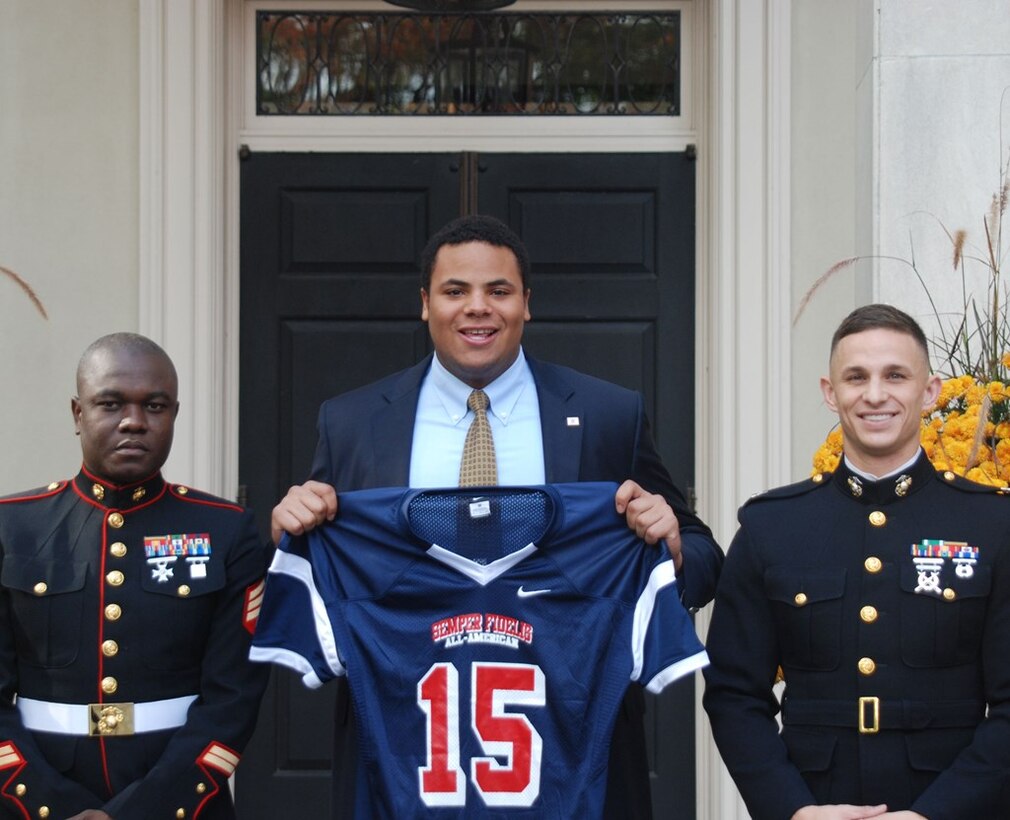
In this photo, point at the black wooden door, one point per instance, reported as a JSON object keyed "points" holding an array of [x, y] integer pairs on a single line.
{"points": [[330, 301]]}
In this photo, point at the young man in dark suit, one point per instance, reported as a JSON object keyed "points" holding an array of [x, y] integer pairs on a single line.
{"points": [[549, 424]]}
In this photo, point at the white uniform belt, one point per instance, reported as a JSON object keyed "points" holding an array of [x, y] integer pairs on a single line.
{"points": [[103, 719]]}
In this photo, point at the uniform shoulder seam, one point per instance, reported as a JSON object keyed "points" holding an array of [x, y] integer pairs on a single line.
{"points": [[808, 485]]}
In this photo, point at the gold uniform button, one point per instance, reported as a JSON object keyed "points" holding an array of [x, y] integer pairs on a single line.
{"points": [[20, 790], [118, 549], [110, 649], [43, 811], [110, 685], [873, 564], [116, 520], [54, 485], [949, 594], [40, 588], [115, 578], [183, 591], [817, 478], [867, 666], [113, 612], [800, 599], [868, 614], [877, 518], [201, 788], [182, 490], [949, 475], [180, 813]]}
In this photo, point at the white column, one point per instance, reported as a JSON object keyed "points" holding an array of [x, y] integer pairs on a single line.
{"points": [[743, 361], [183, 303]]}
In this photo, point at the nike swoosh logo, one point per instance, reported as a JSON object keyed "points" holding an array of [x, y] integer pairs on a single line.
{"points": [[529, 593]]}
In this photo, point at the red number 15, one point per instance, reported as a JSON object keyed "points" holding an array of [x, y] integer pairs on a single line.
{"points": [[502, 734]]}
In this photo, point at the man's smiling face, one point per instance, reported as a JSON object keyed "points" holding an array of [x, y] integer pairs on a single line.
{"points": [[476, 309], [879, 384]]}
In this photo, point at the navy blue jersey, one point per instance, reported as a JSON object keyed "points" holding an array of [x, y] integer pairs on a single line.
{"points": [[488, 640]]}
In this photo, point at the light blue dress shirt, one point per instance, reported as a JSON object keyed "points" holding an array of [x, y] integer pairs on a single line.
{"points": [[443, 419]]}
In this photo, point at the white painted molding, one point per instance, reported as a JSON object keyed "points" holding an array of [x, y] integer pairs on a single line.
{"points": [[743, 360], [182, 223]]}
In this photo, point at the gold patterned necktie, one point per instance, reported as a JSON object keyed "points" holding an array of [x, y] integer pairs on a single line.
{"points": [[478, 468]]}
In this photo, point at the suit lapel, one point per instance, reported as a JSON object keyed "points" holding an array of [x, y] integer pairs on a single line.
{"points": [[393, 427], [561, 422]]}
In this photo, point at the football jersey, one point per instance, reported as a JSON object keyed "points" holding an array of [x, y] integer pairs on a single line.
{"points": [[488, 637]]}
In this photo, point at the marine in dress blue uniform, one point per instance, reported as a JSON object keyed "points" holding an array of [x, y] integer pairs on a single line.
{"points": [[884, 604], [126, 614], [890, 644]]}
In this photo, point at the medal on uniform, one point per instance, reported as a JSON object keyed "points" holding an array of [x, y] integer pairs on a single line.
{"points": [[929, 556], [964, 559], [164, 550], [161, 569], [929, 575], [198, 566]]}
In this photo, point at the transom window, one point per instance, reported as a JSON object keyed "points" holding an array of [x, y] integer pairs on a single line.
{"points": [[482, 63]]}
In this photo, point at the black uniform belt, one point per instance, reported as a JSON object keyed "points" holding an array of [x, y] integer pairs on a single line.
{"points": [[871, 714]]}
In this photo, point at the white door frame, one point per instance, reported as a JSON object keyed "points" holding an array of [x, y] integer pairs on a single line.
{"points": [[192, 109]]}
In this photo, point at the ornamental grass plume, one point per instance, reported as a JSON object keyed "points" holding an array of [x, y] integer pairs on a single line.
{"points": [[26, 289], [968, 429]]}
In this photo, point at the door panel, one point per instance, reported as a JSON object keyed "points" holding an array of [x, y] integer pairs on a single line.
{"points": [[612, 240], [330, 302], [611, 237]]}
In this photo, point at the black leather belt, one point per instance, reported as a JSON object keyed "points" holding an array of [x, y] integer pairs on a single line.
{"points": [[871, 714]]}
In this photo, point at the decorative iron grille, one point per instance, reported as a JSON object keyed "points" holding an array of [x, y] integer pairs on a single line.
{"points": [[473, 64]]}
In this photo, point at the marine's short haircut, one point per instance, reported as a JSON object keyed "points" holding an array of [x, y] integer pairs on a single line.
{"points": [[122, 342], [476, 228], [875, 317]]}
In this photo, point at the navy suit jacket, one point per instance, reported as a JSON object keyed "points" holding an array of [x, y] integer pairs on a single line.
{"points": [[365, 438]]}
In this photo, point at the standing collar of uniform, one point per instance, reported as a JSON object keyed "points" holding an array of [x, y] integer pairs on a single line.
{"points": [[908, 479], [502, 393], [103, 493]]}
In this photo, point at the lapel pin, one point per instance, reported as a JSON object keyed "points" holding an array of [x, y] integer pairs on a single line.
{"points": [[572, 421]]}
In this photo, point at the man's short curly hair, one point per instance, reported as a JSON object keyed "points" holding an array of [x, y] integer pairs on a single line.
{"points": [[476, 228]]}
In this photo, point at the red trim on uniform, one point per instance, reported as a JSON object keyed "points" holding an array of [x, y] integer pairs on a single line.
{"points": [[206, 502], [100, 506], [105, 766], [216, 756], [98, 647], [253, 601], [10, 755], [11, 758], [118, 487], [48, 494], [211, 793]]}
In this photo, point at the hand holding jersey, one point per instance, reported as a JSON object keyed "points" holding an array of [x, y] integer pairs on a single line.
{"points": [[648, 515]]}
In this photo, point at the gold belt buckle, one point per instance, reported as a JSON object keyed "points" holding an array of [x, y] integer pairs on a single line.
{"points": [[110, 719], [873, 728]]}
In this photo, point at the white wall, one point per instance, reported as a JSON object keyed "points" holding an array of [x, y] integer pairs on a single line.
{"points": [[896, 129], [942, 69], [824, 78], [68, 214]]}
